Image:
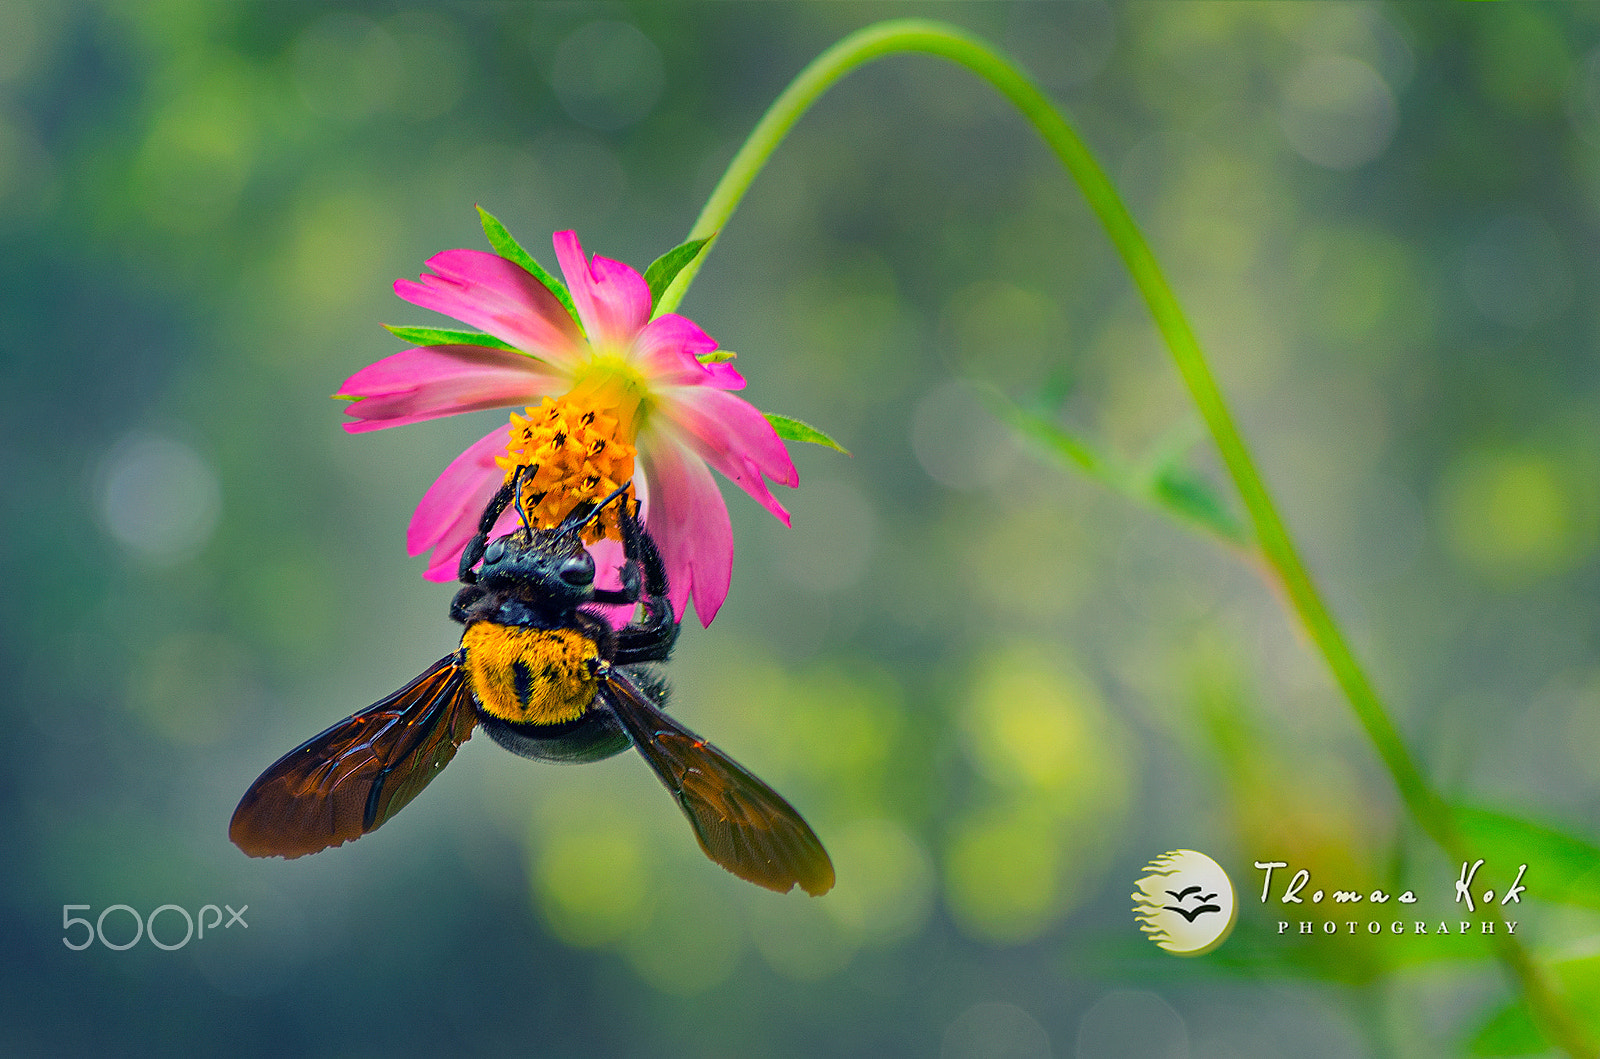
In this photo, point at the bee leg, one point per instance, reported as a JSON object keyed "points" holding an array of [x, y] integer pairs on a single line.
{"points": [[461, 607], [651, 639], [646, 641], [491, 514], [640, 548], [628, 593], [632, 579]]}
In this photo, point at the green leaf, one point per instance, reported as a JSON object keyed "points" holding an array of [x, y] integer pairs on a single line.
{"points": [[1191, 496], [664, 269], [1562, 868], [1173, 484], [1512, 1029], [439, 336], [1057, 442], [1056, 388], [1509, 1031], [506, 245], [1169, 486], [794, 430]]}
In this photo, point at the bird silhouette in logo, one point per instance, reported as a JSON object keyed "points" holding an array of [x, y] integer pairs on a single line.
{"points": [[1195, 913]]}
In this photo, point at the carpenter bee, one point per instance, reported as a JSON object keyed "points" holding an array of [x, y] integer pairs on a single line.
{"points": [[547, 680]]}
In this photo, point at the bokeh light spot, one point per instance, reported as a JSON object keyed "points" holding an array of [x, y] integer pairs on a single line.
{"points": [[1516, 271], [958, 441], [885, 889], [1338, 113], [1523, 61], [190, 687], [995, 1030], [1002, 873], [800, 940], [849, 316], [1003, 333], [1355, 280], [1034, 723], [693, 941], [1509, 516], [427, 41], [346, 67], [198, 155], [1128, 1024], [607, 75], [338, 246], [592, 884], [158, 497]]}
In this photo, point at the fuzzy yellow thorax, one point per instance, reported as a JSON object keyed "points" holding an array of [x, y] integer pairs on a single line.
{"points": [[531, 676]]}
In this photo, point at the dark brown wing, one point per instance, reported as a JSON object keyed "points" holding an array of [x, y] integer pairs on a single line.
{"points": [[347, 781], [742, 824]]}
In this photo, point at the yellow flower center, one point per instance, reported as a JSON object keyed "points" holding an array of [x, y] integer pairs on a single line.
{"points": [[579, 447]]}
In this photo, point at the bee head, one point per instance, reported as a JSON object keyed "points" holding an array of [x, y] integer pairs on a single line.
{"points": [[546, 565], [551, 563]]}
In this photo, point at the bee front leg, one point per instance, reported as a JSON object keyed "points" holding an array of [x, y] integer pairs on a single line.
{"points": [[632, 580], [644, 556], [651, 639], [491, 514]]}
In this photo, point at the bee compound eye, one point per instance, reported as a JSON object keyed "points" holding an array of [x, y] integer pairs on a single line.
{"points": [[578, 570], [495, 551]]}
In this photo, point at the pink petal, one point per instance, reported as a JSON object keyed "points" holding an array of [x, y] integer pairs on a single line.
{"points": [[690, 525], [723, 375], [731, 435], [445, 563], [447, 518], [612, 299], [497, 296], [608, 559], [726, 423], [668, 348], [433, 381]]}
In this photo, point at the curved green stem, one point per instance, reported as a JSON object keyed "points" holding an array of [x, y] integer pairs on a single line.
{"points": [[1277, 548]]}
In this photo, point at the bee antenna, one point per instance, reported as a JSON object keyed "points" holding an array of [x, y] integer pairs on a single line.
{"points": [[516, 493], [575, 523]]}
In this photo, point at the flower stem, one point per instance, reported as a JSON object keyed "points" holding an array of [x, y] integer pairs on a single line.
{"points": [[1276, 546]]}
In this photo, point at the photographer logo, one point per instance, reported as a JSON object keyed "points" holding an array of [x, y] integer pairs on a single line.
{"points": [[1185, 903]]}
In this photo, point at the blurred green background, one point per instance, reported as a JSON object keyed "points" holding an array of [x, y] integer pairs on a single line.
{"points": [[994, 689]]}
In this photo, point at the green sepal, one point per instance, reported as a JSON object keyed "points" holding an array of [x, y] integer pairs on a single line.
{"points": [[794, 430], [506, 245], [439, 336], [717, 356], [664, 269]]}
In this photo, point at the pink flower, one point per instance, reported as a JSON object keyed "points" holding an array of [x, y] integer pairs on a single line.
{"points": [[619, 389]]}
